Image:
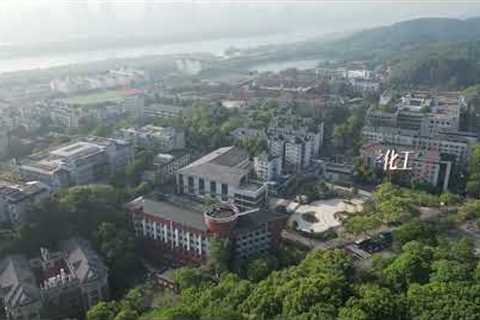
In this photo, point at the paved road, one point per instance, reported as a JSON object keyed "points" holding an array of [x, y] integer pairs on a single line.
{"points": [[314, 243]]}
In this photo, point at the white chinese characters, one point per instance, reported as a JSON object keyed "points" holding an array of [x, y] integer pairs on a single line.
{"points": [[391, 159]]}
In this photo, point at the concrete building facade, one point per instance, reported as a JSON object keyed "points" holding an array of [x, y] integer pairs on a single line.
{"points": [[88, 160], [163, 139], [225, 174], [267, 167], [180, 230], [16, 200]]}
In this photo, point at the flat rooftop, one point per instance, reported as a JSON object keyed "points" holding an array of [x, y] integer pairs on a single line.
{"points": [[76, 149], [225, 165], [177, 209], [18, 193], [191, 213]]}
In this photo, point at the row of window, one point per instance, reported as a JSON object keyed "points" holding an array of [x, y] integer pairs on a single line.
{"points": [[201, 186]]}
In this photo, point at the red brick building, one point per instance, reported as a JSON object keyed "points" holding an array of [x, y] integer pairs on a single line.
{"points": [[177, 230]]}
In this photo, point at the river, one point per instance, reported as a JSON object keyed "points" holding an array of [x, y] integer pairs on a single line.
{"points": [[216, 47]]}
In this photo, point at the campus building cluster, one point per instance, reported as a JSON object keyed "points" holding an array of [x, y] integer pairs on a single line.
{"points": [[96, 108], [164, 139], [427, 126], [88, 160]]}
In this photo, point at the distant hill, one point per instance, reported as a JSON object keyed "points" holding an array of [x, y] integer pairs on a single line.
{"points": [[418, 31], [408, 35], [438, 52]]}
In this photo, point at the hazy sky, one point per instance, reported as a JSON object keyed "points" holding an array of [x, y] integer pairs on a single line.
{"points": [[57, 20]]}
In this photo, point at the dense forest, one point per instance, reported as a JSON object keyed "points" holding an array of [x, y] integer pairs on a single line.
{"points": [[443, 65], [430, 278]]}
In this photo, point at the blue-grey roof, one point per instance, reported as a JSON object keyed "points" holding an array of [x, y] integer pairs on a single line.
{"points": [[17, 282]]}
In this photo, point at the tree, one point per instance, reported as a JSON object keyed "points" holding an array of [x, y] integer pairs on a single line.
{"points": [[319, 311], [102, 311], [462, 251], [113, 241], [414, 230], [362, 224], [440, 300], [392, 207], [340, 136], [473, 180], [373, 302], [220, 255], [450, 199], [133, 301], [126, 314], [87, 206], [134, 169], [260, 267], [103, 131], [189, 278], [476, 273], [469, 210], [412, 266], [253, 145], [449, 271], [346, 135]]}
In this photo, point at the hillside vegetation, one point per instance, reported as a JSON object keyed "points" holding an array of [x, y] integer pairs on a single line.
{"points": [[437, 52]]}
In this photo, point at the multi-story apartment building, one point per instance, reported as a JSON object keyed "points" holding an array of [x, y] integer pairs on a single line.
{"points": [[166, 165], [179, 230], [163, 111], [241, 133], [296, 147], [226, 174], [316, 136], [298, 153], [267, 167], [423, 166], [295, 152], [337, 171], [82, 162], [164, 139], [421, 124], [420, 112], [55, 285], [456, 145], [367, 86], [16, 200]]}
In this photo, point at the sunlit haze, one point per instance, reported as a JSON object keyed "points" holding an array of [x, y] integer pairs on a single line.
{"points": [[57, 20]]}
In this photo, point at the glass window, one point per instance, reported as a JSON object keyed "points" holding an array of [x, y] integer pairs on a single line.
{"points": [[213, 187], [224, 191], [180, 182], [191, 188]]}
